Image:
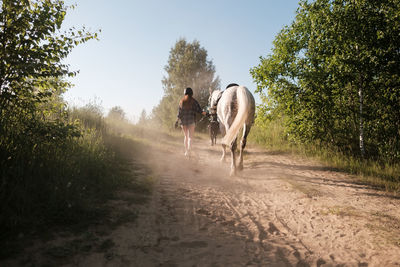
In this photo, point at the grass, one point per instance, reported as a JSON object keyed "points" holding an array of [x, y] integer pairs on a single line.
{"points": [[381, 175], [385, 226], [307, 190], [89, 228], [342, 211], [65, 184]]}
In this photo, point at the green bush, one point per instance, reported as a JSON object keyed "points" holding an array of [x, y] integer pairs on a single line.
{"points": [[53, 163], [53, 170], [269, 132]]}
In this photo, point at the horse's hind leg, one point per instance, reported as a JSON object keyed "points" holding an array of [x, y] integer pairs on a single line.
{"points": [[246, 130], [233, 155], [222, 129], [223, 152]]}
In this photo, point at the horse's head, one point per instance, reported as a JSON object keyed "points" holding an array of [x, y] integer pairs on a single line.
{"points": [[214, 98]]}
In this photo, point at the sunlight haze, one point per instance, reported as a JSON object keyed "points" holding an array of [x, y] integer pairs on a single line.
{"points": [[125, 67]]}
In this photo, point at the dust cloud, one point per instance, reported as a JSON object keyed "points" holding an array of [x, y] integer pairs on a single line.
{"points": [[279, 211]]}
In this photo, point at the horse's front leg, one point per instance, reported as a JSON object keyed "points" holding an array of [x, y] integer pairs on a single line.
{"points": [[246, 130], [210, 134], [215, 136], [233, 157]]}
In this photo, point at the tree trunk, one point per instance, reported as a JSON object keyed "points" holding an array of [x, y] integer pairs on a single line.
{"points": [[361, 100]]}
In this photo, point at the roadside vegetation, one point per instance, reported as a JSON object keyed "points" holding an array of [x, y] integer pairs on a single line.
{"points": [[58, 164], [272, 136], [331, 87], [188, 66]]}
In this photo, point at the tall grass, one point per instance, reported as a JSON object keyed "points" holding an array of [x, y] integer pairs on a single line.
{"points": [[271, 135], [49, 178]]}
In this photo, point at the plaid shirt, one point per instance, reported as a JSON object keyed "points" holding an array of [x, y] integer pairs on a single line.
{"points": [[188, 116]]}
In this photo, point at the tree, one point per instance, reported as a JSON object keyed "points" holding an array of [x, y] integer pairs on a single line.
{"points": [[32, 75], [116, 113], [188, 66], [143, 117], [32, 49], [334, 75], [34, 127]]}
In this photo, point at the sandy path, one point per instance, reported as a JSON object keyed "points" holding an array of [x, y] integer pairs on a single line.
{"points": [[280, 211]]}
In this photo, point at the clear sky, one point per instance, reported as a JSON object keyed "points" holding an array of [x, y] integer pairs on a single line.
{"points": [[125, 67]]}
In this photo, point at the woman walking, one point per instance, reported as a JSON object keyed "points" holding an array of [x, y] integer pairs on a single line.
{"points": [[188, 107]]}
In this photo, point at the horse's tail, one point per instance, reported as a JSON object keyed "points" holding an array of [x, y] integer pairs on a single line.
{"points": [[244, 102]]}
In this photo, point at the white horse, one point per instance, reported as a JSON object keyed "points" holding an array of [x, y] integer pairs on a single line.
{"points": [[235, 109]]}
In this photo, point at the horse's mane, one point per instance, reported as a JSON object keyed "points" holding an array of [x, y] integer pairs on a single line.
{"points": [[232, 84]]}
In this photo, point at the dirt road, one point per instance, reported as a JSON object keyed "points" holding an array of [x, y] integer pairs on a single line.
{"points": [[280, 211]]}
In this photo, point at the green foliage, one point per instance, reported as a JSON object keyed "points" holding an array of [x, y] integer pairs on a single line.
{"points": [[268, 129], [187, 66], [116, 113], [334, 59], [53, 162], [89, 116], [32, 48]]}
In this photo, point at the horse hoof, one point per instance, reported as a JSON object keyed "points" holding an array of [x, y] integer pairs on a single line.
{"points": [[240, 167], [233, 173]]}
